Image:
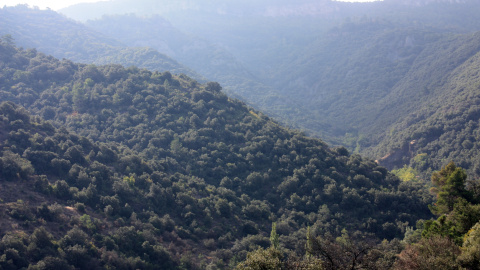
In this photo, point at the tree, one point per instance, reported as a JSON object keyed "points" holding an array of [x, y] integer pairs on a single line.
{"points": [[213, 87], [457, 213], [432, 253], [223, 208], [344, 252], [52, 263], [274, 237], [13, 166], [263, 259], [7, 39], [74, 237], [41, 244], [470, 257], [450, 186]]}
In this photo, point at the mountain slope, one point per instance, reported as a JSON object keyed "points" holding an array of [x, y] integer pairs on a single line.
{"points": [[51, 203], [211, 60], [330, 67], [55, 34], [209, 167], [74, 41], [354, 85], [445, 128]]}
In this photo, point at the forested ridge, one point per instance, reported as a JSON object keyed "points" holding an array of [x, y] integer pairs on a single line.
{"points": [[55, 34], [174, 166], [362, 80], [117, 157], [446, 129], [356, 75]]}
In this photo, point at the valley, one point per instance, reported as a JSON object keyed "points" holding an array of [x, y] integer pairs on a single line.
{"points": [[240, 135]]}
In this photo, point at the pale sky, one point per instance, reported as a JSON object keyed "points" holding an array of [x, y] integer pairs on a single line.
{"points": [[59, 4]]}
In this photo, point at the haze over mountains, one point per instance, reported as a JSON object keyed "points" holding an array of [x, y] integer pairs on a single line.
{"points": [[346, 72], [121, 133], [54, 34]]}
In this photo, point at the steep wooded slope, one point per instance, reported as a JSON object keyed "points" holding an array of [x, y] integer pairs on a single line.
{"points": [[53, 195], [446, 127], [353, 84], [209, 167], [336, 68]]}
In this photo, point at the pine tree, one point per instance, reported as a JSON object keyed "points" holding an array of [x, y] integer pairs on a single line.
{"points": [[450, 186], [274, 236], [309, 244]]}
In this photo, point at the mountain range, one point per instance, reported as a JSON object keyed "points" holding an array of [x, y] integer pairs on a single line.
{"points": [[349, 73], [118, 149]]}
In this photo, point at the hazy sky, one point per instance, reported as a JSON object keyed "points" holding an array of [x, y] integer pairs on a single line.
{"points": [[58, 4]]}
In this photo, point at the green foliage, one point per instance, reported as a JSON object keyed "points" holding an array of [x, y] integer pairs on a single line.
{"points": [[456, 226], [15, 167], [435, 134], [87, 223], [341, 63], [453, 205], [406, 173], [344, 252], [470, 257], [324, 252], [274, 242], [181, 164], [77, 42], [163, 164], [450, 187], [41, 244], [130, 180], [351, 64], [268, 259]]}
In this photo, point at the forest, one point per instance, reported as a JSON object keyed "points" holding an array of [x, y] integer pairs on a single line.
{"points": [[204, 162], [354, 150], [354, 75]]}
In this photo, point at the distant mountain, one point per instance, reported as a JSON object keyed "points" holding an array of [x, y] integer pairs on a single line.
{"points": [[351, 74], [57, 35], [134, 46], [328, 65], [210, 60], [247, 8], [167, 171]]}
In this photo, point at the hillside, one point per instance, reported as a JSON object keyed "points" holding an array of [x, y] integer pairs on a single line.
{"points": [[53, 196], [387, 74], [346, 72], [212, 61], [184, 173], [445, 130], [151, 43], [55, 34], [352, 84]]}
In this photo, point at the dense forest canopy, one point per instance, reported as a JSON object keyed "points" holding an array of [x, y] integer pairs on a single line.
{"points": [[207, 161], [115, 152]]}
